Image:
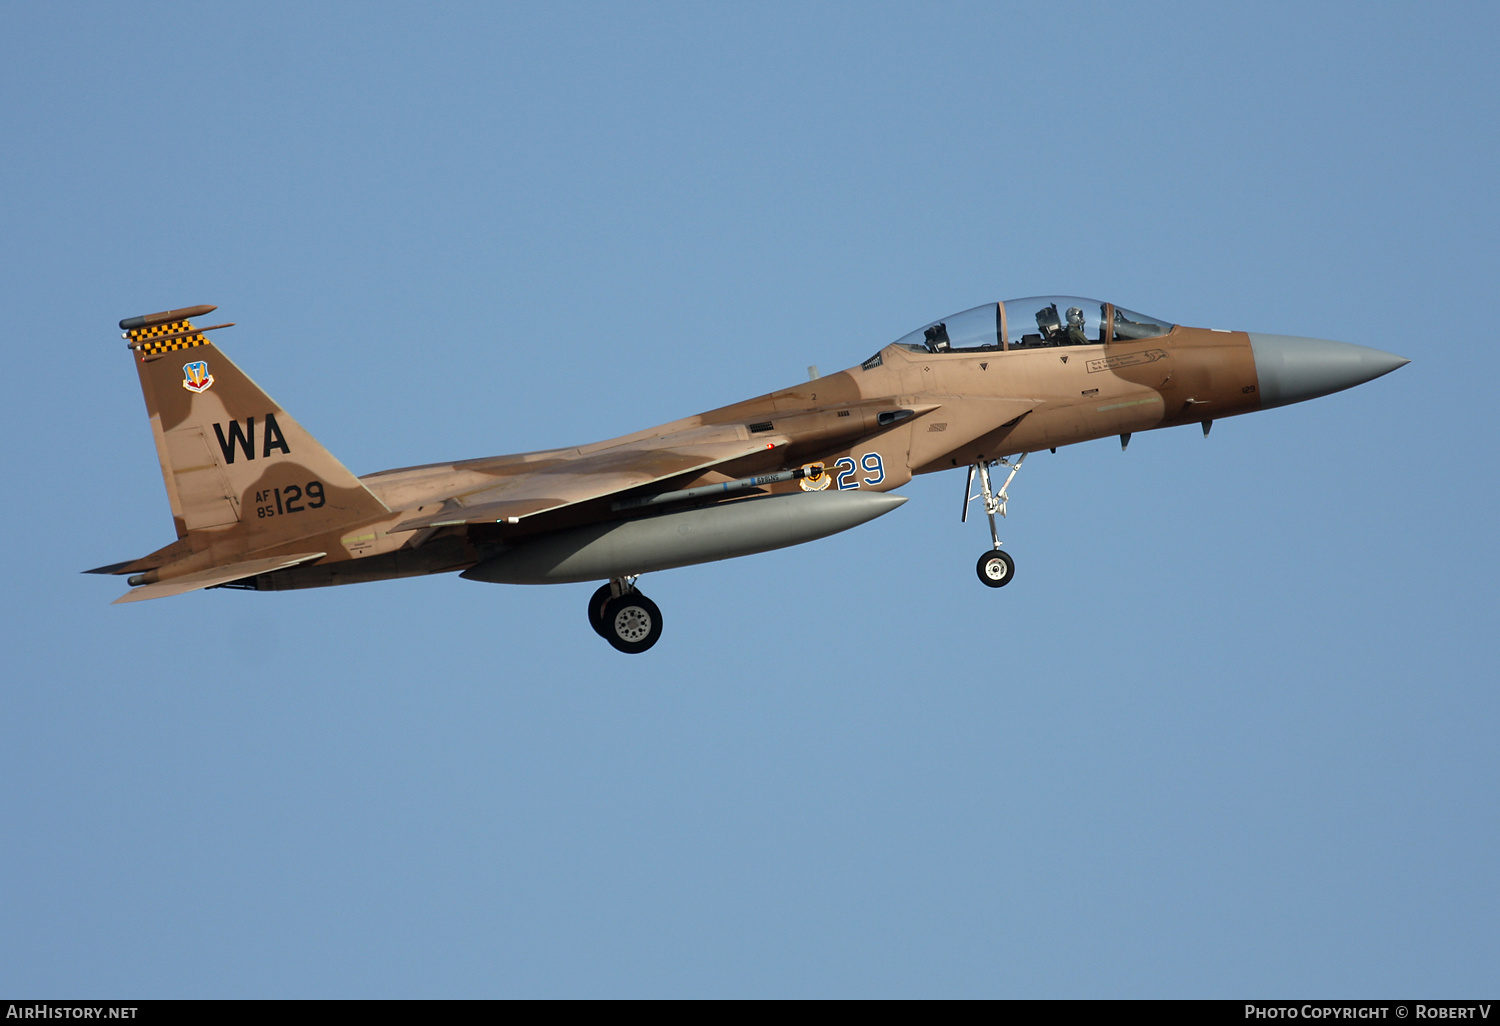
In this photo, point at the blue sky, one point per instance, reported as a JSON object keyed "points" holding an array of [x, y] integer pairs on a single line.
{"points": [[1230, 731]]}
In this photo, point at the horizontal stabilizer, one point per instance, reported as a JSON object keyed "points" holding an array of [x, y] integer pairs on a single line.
{"points": [[113, 568], [602, 473], [215, 575]]}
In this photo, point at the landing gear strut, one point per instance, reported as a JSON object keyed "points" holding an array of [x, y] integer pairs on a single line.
{"points": [[624, 617], [995, 567]]}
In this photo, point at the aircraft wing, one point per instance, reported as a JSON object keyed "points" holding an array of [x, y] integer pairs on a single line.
{"points": [[591, 476], [215, 575]]}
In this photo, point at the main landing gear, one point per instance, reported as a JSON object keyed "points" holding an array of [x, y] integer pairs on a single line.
{"points": [[995, 567], [624, 617]]}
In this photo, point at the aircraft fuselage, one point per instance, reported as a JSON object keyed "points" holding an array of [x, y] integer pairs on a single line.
{"points": [[259, 504]]}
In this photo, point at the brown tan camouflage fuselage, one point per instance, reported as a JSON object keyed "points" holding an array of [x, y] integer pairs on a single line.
{"points": [[258, 503]]}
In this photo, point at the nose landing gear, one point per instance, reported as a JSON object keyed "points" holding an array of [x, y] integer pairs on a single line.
{"points": [[624, 617], [995, 568]]}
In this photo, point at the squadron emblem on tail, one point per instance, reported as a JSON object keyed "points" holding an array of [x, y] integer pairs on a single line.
{"points": [[196, 377]]}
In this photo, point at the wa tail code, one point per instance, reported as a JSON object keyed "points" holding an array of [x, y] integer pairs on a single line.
{"points": [[243, 438]]}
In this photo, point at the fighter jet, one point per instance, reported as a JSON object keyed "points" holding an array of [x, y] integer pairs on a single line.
{"points": [[258, 504]]}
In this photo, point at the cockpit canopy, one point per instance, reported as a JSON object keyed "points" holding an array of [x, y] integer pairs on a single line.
{"points": [[1034, 323]]}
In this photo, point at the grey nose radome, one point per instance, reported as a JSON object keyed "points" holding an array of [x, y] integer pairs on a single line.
{"points": [[1292, 369]]}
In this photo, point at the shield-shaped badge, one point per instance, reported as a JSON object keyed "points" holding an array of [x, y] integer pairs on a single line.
{"points": [[195, 376], [815, 478]]}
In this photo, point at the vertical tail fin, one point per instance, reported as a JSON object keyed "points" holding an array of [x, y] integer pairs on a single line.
{"points": [[231, 457]]}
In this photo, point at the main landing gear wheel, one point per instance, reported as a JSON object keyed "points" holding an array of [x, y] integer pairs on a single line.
{"points": [[597, 602], [631, 622], [996, 568]]}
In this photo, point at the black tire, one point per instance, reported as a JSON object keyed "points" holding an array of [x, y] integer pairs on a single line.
{"points": [[632, 623], [597, 602], [996, 568]]}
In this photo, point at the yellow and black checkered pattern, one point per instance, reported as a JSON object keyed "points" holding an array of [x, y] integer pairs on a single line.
{"points": [[141, 338]]}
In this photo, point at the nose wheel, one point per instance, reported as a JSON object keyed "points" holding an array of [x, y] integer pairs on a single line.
{"points": [[995, 567], [624, 617]]}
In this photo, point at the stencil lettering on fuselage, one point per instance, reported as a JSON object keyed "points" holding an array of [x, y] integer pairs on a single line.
{"points": [[1126, 360]]}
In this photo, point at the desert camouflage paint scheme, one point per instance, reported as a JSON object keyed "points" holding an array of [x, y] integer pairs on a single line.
{"points": [[258, 504]]}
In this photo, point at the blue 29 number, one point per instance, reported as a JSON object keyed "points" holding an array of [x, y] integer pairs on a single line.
{"points": [[870, 462]]}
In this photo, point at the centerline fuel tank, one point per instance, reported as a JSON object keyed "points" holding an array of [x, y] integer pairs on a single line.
{"points": [[626, 547]]}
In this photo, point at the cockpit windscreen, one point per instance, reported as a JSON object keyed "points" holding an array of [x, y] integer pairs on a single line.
{"points": [[1130, 326], [1037, 322]]}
